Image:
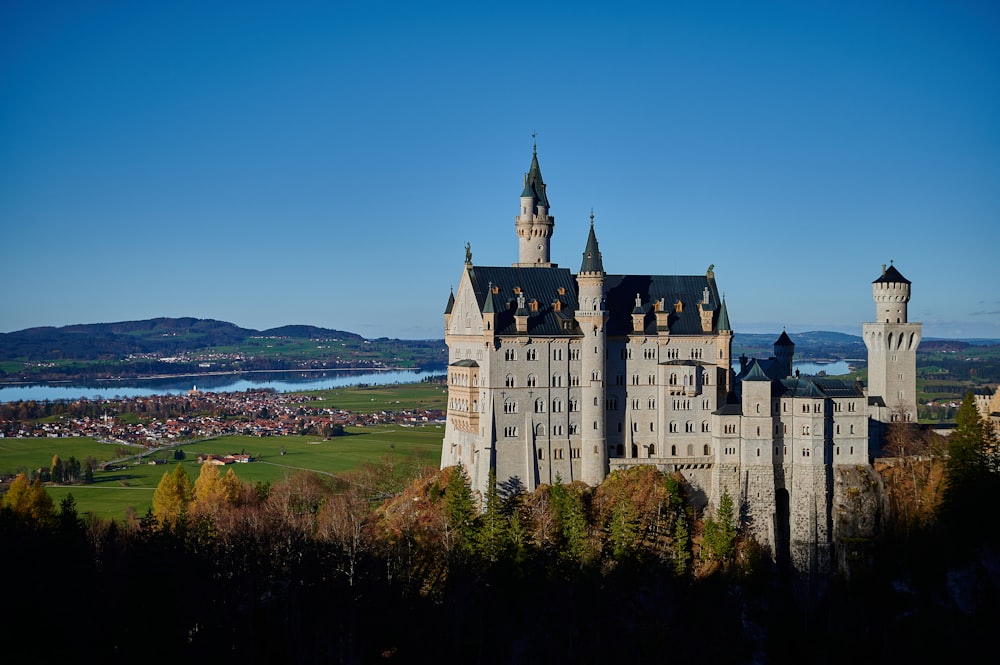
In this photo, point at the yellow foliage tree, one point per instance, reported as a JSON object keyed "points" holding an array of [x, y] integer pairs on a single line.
{"points": [[29, 501], [172, 496]]}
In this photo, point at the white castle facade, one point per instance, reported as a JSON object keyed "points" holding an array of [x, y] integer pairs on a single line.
{"points": [[560, 376]]}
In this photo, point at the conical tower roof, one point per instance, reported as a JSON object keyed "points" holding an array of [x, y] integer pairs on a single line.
{"points": [[533, 184], [724, 317], [891, 275], [784, 340], [592, 261]]}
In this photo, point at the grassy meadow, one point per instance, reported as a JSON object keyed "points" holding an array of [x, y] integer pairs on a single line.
{"points": [[114, 492], [380, 398]]}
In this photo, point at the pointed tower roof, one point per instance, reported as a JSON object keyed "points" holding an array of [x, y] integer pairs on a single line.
{"points": [[533, 184], [891, 275], [724, 317], [592, 261], [488, 302], [784, 340], [451, 302], [756, 372]]}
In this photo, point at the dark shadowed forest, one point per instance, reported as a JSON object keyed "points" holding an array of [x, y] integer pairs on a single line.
{"points": [[405, 564]]}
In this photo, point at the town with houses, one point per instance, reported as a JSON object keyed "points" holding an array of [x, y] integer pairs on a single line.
{"points": [[200, 415]]}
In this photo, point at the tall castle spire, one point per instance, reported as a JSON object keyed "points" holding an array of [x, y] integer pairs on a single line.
{"points": [[534, 224]]}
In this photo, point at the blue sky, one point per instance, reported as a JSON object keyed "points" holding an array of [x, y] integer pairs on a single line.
{"points": [[325, 163]]}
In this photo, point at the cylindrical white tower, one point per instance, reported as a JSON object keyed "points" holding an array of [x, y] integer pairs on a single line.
{"points": [[592, 317]]}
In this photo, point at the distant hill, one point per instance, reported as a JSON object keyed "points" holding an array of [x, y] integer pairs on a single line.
{"points": [[165, 336], [817, 344], [168, 346]]}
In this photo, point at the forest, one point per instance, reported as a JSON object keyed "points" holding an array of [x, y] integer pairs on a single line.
{"points": [[401, 563]]}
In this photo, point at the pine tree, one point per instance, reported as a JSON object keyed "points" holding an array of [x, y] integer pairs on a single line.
{"points": [[972, 477], [460, 511], [492, 541], [720, 532], [56, 469]]}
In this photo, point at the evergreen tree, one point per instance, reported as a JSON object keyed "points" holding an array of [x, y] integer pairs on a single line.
{"points": [[571, 519], [460, 511], [720, 532], [491, 543], [972, 477], [56, 469]]}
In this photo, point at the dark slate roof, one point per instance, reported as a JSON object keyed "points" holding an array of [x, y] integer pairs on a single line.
{"points": [[723, 323], [465, 363], [891, 275], [784, 340], [755, 373], [730, 410], [592, 254], [688, 289], [814, 387], [533, 184], [451, 303], [541, 284]]}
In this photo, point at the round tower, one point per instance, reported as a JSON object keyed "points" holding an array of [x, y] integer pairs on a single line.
{"points": [[533, 223], [891, 293], [784, 352], [592, 316], [892, 343]]}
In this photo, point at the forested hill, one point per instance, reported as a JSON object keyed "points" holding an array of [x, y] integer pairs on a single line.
{"points": [[817, 344], [168, 346], [94, 341]]}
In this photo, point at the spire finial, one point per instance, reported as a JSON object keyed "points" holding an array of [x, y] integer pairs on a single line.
{"points": [[591, 218], [534, 142]]}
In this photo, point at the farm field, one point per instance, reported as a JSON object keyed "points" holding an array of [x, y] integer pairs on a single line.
{"points": [[403, 397], [115, 492]]}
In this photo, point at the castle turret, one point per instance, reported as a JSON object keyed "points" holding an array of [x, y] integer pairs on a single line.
{"points": [[534, 224], [784, 352], [892, 349], [591, 317]]}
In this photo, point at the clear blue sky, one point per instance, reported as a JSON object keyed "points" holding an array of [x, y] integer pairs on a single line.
{"points": [[325, 163]]}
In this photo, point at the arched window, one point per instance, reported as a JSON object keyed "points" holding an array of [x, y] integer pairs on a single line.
{"points": [[673, 451], [652, 449]]}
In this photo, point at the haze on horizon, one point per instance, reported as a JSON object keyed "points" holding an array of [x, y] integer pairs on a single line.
{"points": [[326, 163]]}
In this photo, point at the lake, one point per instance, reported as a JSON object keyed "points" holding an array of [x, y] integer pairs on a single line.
{"points": [[835, 368], [280, 381]]}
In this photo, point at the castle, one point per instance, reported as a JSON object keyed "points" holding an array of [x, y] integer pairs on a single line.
{"points": [[555, 376]]}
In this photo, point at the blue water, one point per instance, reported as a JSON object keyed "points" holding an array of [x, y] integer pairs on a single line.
{"points": [[835, 368], [280, 381]]}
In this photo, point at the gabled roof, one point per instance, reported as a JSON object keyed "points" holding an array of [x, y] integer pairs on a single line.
{"points": [[816, 387], [451, 303], [891, 275], [621, 290], [545, 285]]}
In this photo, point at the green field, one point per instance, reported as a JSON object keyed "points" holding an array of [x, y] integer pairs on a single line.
{"points": [[113, 492], [404, 397]]}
